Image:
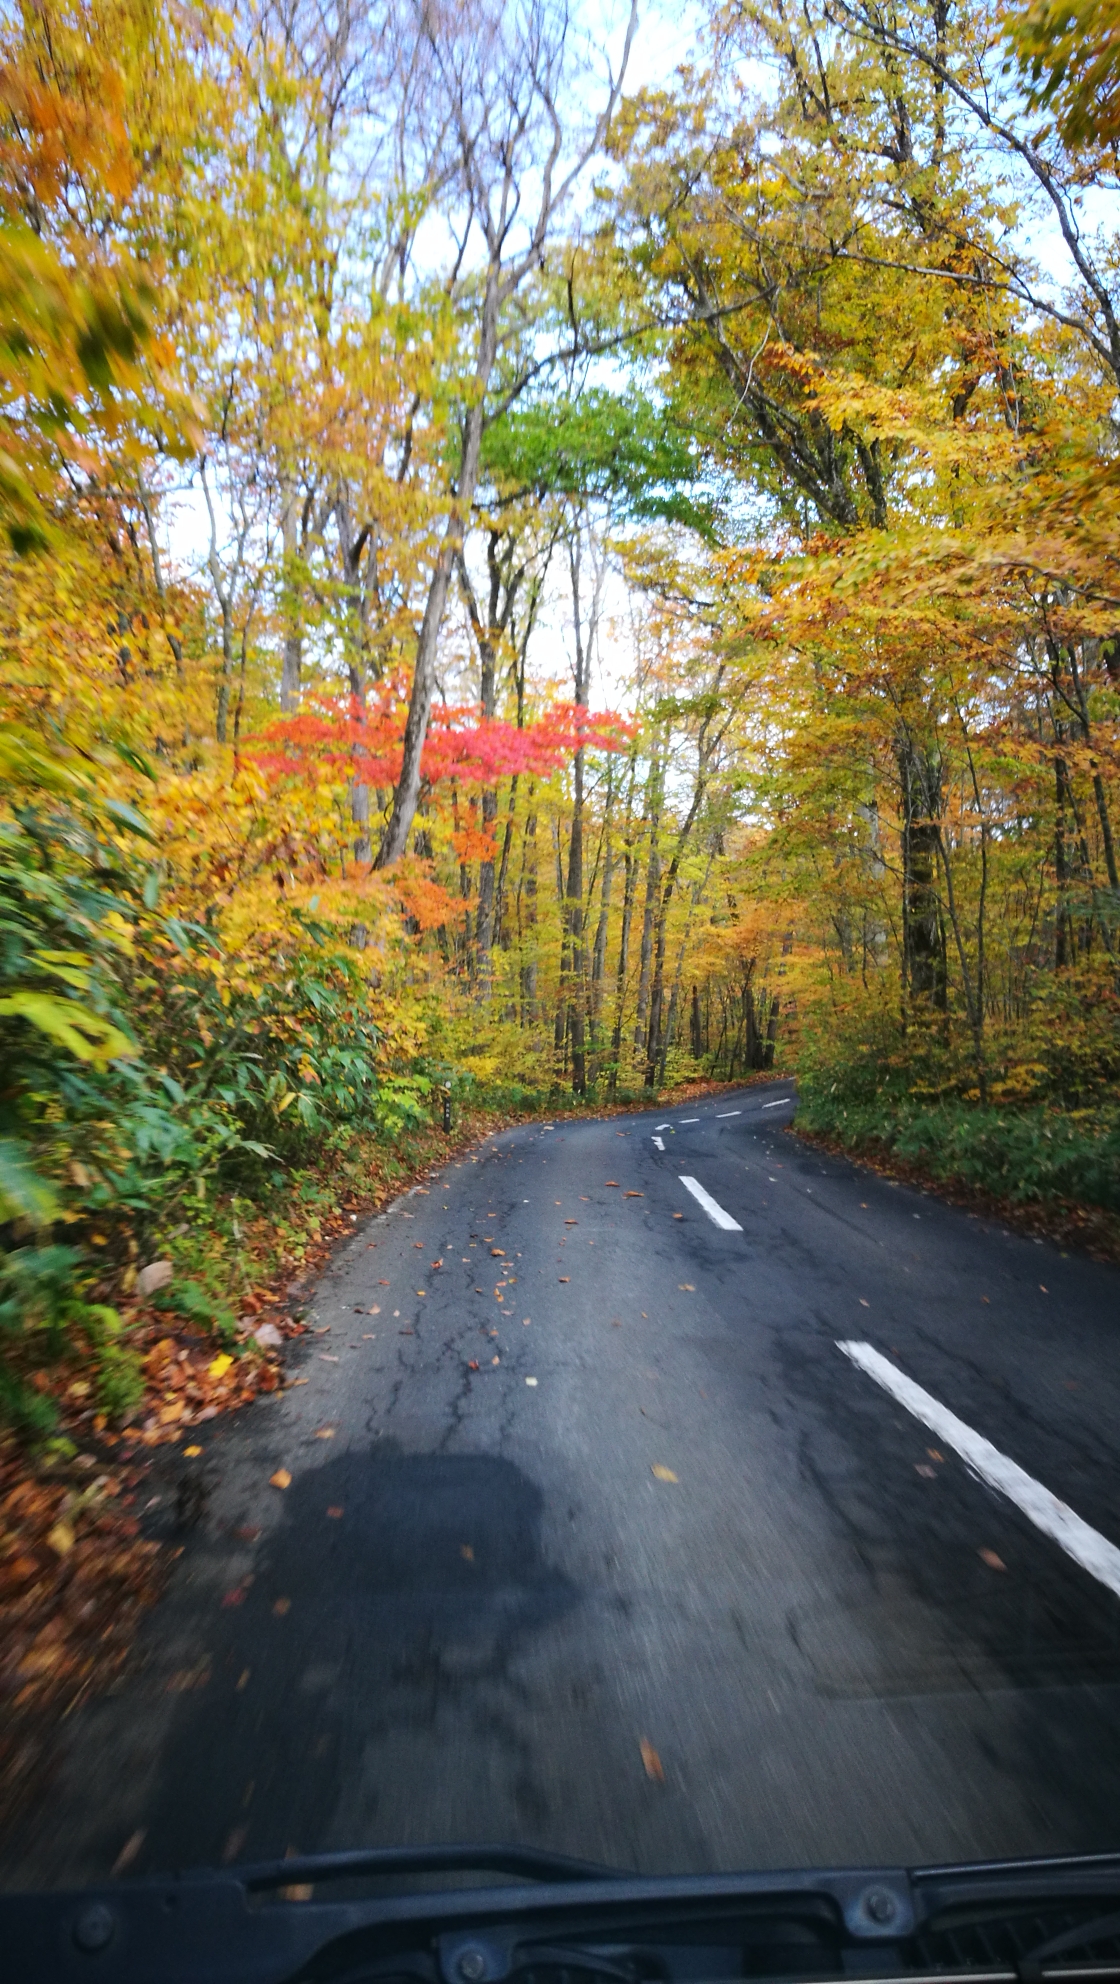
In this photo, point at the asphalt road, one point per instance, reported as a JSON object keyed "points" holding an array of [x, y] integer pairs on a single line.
{"points": [[611, 1549]]}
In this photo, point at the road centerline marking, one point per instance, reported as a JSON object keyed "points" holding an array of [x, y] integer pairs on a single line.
{"points": [[714, 1211], [1054, 1518], [660, 1142], [688, 1119], [722, 1114], [778, 1103]]}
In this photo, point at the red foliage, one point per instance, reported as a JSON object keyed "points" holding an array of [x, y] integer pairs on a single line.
{"points": [[346, 739]]}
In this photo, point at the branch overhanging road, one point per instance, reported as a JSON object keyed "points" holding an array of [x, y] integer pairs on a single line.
{"points": [[643, 1507]]}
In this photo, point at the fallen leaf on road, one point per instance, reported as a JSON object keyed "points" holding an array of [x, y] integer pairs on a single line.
{"points": [[433, 1265], [498, 1251], [863, 1304], [325, 1433], [688, 1287], [466, 1551], [376, 1309], [933, 1453], [662, 1473], [525, 1321], [282, 1607], [678, 1215], [651, 1760], [564, 1277], [219, 1365], [633, 1195], [530, 1381], [575, 1222], [301, 1381], [472, 1364], [61, 1539], [922, 1467], [334, 1512], [612, 1181], [993, 1562], [248, 1532], [234, 1844], [281, 1478], [421, 1291], [406, 1332], [495, 1360], [419, 1244], [325, 1357], [382, 1283], [234, 1597], [616, 1322], [243, 1680], [1045, 1291], [191, 1453], [128, 1852]]}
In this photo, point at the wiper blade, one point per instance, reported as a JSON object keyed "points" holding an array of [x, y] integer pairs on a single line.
{"points": [[1100, 1930], [383, 1862]]}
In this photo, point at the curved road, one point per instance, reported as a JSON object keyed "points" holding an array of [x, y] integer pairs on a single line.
{"points": [[597, 1540]]}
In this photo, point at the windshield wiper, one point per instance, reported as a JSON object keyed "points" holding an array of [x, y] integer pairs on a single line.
{"points": [[384, 1862], [376, 1918]]}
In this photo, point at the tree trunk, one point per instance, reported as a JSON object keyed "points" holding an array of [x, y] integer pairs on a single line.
{"points": [[407, 791], [924, 961], [292, 656]]}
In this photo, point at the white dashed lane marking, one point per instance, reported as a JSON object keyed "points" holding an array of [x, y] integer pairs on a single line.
{"points": [[714, 1211], [660, 1142], [778, 1103], [1055, 1519], [723, 1113]]}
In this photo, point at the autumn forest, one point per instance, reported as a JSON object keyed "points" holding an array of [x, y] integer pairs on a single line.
{"points": [[528, 587]]}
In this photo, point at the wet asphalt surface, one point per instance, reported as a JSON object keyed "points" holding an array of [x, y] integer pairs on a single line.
{"points": [[477, 1614]]}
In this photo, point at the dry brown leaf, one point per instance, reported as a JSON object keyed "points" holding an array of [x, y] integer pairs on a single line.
{"points": [[564, 1277], [612, 1181], [651, 1760], [923, 1467], [191, 1453], [688, 1287], [281, 1478], [633, 1195], [325, 1433], [282, 1607], [335, 1512], [128, 1852], [662, 1473], [466, 1551], [993, 1562]]}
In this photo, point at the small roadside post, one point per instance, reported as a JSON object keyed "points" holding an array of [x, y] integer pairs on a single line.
{"points": [[447, 1109]]}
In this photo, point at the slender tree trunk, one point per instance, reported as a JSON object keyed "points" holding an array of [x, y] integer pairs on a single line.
{"points": [[407, 792], [292, 655]]}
